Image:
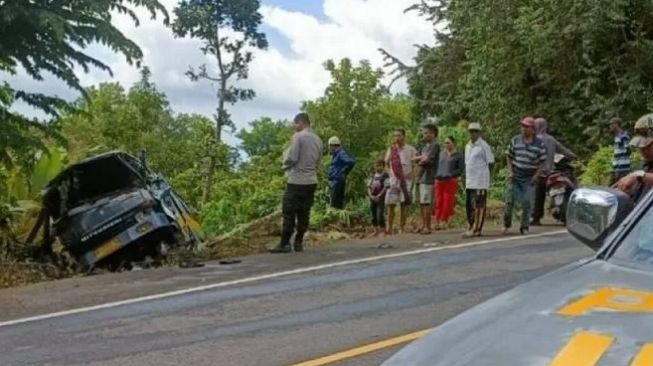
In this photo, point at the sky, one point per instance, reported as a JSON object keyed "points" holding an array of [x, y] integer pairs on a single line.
{"points": [[302, 34]]}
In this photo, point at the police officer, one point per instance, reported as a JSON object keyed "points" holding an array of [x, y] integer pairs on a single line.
{"points": [[301, 162]]}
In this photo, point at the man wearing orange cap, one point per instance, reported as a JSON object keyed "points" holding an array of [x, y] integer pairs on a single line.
{"points": [[526, 158]]}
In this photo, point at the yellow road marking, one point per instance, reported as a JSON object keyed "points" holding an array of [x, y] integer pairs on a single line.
{"points": [[645, 356], [359, 351], [584, 349]]}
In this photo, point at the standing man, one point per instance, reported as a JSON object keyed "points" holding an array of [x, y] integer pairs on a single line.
{"points": [[399, 159], [526, 159], [427, 160], [478, 158], [341, 164], [301, 162], [639, 182], [621, 156], [553, 147]]}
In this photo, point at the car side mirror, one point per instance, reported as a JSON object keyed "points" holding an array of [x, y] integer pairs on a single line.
{"points": [[594, 213]]}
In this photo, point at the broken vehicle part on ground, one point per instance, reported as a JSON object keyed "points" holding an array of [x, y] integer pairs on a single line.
{"points": [[112, 209]]}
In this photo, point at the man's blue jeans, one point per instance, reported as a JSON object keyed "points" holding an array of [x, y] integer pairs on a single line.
{"points": [[337, 199], [522, 192]]}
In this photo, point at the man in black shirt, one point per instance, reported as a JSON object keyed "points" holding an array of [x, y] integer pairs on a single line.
{"points": [[428, 161]]}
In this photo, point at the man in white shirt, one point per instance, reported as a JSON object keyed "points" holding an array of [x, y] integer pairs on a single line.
{"points": [[478, 158]]}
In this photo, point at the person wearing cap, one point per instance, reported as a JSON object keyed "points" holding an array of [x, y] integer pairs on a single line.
{"points": [[341, 164], [478, 159], [643, 125], [622, 151], [300, 162], [639, 182], [553, 147], [526, 159]]}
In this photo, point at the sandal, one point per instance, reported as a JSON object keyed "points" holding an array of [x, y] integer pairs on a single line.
{"points": [[472, 234]]}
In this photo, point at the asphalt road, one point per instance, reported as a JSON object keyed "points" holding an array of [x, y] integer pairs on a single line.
{"points": [[292, 318]]}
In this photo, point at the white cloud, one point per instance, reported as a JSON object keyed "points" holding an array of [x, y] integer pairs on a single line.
{"points": [[351, 28]]}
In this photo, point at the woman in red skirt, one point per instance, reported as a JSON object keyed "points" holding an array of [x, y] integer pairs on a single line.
{"points": [[450, 168]]}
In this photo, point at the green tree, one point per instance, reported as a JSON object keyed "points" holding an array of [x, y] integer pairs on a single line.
{"points": [[359, 109], [573, 62], [140, 119], [112, 118], [356, 107], [51, 36], [254, 190], [264, 137], [212, 21]]}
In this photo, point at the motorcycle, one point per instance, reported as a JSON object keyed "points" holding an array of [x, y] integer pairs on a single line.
{"points": [[559, 185]]}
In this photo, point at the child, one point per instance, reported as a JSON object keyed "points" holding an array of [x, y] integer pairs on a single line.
{"points": [[377, 188]]}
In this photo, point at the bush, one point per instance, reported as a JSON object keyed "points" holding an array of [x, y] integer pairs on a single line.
{"points": [[243, 196], [499, 182], [598, 170], [459, 133]]}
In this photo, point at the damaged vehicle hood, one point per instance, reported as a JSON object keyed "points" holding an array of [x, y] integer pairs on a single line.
{"points": [[85, 222], [587, 313]]}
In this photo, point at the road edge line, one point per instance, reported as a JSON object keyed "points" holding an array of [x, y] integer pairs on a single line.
{"points": [[268, 276]]}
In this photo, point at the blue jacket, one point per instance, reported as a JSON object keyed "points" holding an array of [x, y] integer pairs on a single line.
{"points": [[341, 164]]}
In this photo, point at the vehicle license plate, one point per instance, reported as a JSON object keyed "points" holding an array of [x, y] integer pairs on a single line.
{"points": [[108, 248]]}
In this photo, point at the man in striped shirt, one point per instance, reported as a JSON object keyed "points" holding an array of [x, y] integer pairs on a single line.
{"points": [[526, 158], [621, 158]]}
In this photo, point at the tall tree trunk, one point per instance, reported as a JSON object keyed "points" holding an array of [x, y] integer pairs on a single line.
{"points": [[219, 118], [219, 124], [208, 181]]}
